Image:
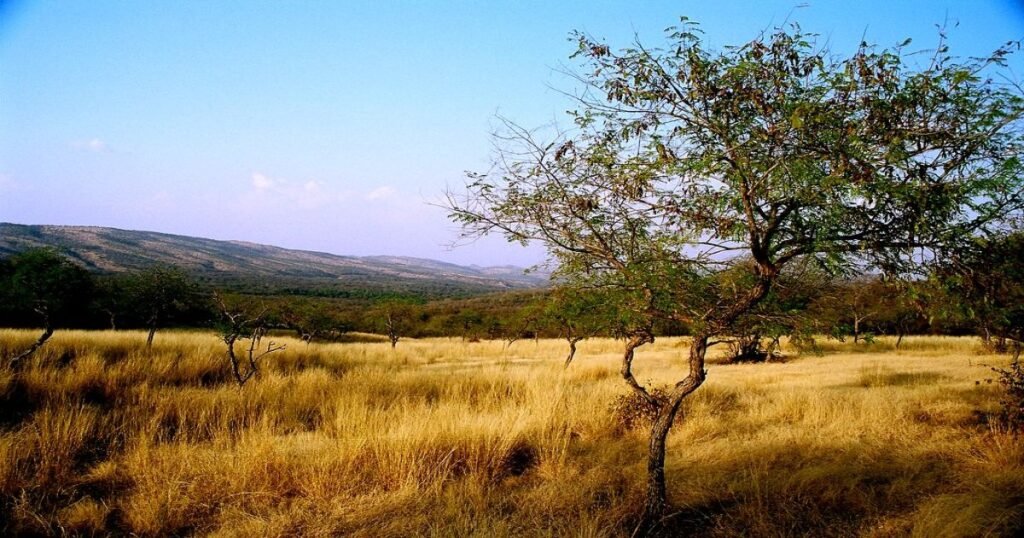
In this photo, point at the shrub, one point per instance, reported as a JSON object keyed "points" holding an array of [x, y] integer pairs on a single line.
{"points": [[1011, 413], [632, 410]]}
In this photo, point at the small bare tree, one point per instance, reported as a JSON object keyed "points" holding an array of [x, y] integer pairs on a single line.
{"points": [[240, 325]]}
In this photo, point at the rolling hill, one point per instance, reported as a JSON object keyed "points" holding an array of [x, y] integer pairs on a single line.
{"points": [[264, 268]]}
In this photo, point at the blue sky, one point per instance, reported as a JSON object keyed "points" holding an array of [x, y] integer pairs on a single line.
{"points": [[332, 125]]}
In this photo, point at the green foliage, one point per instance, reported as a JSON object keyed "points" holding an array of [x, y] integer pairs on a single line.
{"points": [[985, 284], [584, 312], [41, 286], [786, 311], [161, 292], [686, 160]]}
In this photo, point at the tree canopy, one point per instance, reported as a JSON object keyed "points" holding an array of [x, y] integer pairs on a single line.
{"points": [[685, 161], [42, 288]]}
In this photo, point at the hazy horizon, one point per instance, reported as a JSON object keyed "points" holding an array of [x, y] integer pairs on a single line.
{"points": [[333, 126]]}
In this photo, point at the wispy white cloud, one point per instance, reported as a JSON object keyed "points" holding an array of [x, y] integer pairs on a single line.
{"points": [[94, 145], [381, 193], [261, 182], [310, 194]]}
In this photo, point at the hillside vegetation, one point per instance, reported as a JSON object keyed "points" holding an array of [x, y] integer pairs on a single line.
{"points": [[443, 437], [262, 269]]}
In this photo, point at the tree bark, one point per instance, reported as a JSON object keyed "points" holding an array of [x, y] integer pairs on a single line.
{"points": [[572, 350], [392, 330], [657, 499], [634, 341], [113, 319], [149, 339], [47, 333]]}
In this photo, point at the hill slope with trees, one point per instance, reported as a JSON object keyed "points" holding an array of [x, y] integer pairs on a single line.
{"points": [[263, 269]]}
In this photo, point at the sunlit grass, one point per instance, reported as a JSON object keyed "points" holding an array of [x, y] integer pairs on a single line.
{"points": [[444, 437]]}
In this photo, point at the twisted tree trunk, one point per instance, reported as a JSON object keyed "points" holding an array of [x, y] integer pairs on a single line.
{"points": [[636, 340], [572, 349], [392, 330], [657, 498], [152, 331], [44, 314]]}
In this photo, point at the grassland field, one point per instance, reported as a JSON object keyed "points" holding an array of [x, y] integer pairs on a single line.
{"points": [[439, 437]]}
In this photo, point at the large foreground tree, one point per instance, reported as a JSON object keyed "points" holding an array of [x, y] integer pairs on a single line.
{"points": [[685, 162]]}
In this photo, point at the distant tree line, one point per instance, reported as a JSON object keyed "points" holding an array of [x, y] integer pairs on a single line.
{"points": [[979, 292]]}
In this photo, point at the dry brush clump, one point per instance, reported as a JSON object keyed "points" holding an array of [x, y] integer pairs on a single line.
{"points": [[439, 437]]}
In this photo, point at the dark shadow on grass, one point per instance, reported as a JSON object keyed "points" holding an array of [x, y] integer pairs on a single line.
{"points": [[805, 489], [883, 377]]}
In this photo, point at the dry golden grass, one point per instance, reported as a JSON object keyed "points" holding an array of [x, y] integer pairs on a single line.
{"points": [[445, 438]]}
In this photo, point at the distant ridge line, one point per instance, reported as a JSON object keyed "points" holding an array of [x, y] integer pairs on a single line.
{"points": [[115, 250]]}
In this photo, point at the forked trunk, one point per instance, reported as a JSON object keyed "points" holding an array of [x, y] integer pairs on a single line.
{"points": [[572, 350], [633, 342], [657, 499]]}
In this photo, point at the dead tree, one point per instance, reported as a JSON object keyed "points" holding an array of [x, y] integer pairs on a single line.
{"points": [[240, 326]]}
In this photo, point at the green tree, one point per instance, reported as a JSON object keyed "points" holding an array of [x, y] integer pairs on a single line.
{"points": [[395, 317], [310, 319], [112, 298], [41, 284], [784, 312], [685, 161], [576, 314], [159, 293], [861, 301], [986, 282]]}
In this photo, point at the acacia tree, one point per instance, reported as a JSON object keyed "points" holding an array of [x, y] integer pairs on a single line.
{"points": [[394, 316], [685, 161], [987, 282], [159, 293], [310, 320], [43, 285], [861, 300], [112, 297], [576, 313]]}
